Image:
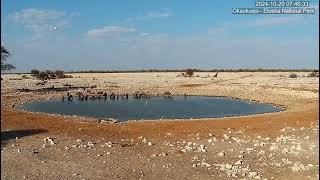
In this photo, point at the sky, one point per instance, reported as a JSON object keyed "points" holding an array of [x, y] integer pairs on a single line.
{"points": [[144, 34]]}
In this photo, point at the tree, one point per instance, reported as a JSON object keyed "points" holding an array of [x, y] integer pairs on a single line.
{"points": [[189, 72], [43, 75], [35, 73], [4, 55]]}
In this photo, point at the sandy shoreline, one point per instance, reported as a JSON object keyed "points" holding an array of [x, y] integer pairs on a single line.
{"points": [[139, 160]]}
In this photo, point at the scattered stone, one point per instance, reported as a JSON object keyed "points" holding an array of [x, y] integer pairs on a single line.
{"points": [[49, 141], [226, 137], [252, 174], [221, 154], [239, 162]]}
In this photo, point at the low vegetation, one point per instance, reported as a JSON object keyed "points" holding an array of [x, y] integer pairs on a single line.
{"points": [[47, 74], [293, 75], [314, 74], [188, 73]]}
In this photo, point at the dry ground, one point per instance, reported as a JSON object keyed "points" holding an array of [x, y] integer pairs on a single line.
{"points": [[281, 145]]}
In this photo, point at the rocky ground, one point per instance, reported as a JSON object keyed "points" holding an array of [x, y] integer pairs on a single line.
{"points": [[281, 145]]}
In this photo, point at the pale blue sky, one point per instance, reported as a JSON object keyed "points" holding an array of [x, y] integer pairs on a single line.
{"points": [[144, 34]]}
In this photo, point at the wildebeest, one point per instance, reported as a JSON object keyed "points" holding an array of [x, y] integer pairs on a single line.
{"points": [[70, 97]]}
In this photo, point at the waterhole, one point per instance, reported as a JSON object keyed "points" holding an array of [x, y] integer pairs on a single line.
{"points": [[154, 108]]}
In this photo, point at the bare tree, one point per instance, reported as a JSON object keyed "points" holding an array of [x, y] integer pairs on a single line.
{"points": [[4, 55]]}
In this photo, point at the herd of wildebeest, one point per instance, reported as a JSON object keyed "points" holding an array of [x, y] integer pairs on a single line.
{"points": [[103, 95]]}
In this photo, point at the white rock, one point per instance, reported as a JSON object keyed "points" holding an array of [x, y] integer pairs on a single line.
{"points": [[49, 141], [150, 144], [226, 137], [273, 147], [144, 140], [239, 162], [261, 152], [221, 153], [252, 174], [228, 166], [202, 148]]}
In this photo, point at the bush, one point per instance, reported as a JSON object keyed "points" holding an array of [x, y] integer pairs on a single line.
{"points": [[67, 76], [25, 77], [189, 72], [35, 72], [60, 74], [293, 76], [43, 75], [314, 74]]}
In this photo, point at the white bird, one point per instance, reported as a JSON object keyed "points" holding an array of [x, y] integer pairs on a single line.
{"points": [[55, 28]]}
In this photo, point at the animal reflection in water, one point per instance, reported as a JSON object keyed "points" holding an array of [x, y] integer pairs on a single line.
{"points": [[85, 96]]}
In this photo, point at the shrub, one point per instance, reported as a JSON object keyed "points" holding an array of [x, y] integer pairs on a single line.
{"points": [[314, 74], [67, 76], [25, 77], [35, 72], [189, 72], [60, 74], [293, 75], [43, 75]]}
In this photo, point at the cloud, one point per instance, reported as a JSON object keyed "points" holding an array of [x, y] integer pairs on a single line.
{"points": [[109, 31], [151, 15], [271, 21], [41, 20], [144, 34], [261, 22]]}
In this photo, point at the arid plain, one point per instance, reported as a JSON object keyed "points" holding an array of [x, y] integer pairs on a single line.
{"points": [[282, 145]]}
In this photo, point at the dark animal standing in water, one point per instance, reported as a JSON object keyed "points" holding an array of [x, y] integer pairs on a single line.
{"points": [[117, 96], [216, 75], [62, 98], [105, 95], [86, 97], [70, 98], [112, 96], [68, 94], [127, 96], [168, 94]]}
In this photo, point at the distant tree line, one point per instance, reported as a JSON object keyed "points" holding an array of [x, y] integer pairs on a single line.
{"points": [[197, 70]]}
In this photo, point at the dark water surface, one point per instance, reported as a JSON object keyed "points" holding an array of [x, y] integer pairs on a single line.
{"points": [[179, 107]]}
